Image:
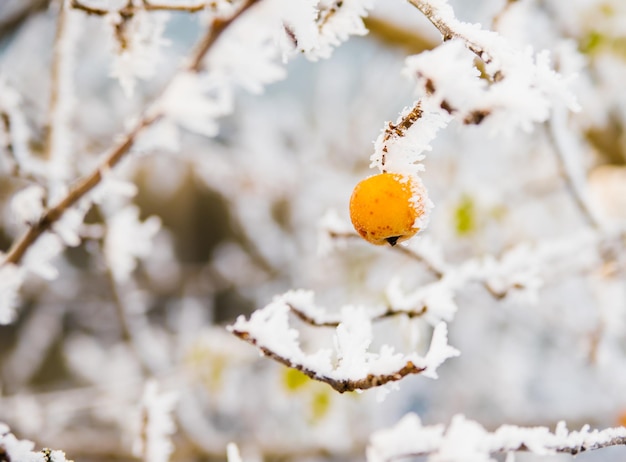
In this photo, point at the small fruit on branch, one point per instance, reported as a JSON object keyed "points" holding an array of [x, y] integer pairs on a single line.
{"points": [[388, 208]]}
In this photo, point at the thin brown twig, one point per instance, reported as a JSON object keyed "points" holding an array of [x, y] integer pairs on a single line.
{"points": [[399, 129], [342, 386], [130, 9], [323, 16], [495, 22], [436, 272], [55, 77], [89, 9], [117, 152], [447, 32], [78, 190]]}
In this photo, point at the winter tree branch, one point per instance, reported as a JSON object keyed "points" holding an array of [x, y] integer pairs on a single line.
{"points": [[440, 17], [450, 77], [117, 152], [340, 385], [350, 366], [465, 439]]}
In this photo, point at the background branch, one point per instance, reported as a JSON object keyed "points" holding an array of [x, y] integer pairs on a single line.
{"points": [[112, 158], [564, 148], [130, 9]]}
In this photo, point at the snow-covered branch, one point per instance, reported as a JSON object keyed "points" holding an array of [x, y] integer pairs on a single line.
{"points": [[520, 89], [155, 425], [568, 153], [349, 366], [58, 144], [465, 439], [520, 270], [84, 185], [13, 449]]}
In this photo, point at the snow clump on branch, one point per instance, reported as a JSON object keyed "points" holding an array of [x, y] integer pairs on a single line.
{"points": [[467, 440], [349, 366]]}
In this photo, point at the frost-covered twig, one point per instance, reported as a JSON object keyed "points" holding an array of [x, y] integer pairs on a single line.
{"points": [[79, 189], [15, 450], [117, 152], [129, 9], [398, 130], [302, 304], [340, 385], [468, 440], [519, 270], [58, 146], [434, 263], [7, 142], [55, 75], [350, 366], [155, 425], [14, 136], [520, 87], [565, 149], [440, 15]]}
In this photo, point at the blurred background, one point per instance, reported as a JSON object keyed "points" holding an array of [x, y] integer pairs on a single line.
{"points": [[242, 217]]}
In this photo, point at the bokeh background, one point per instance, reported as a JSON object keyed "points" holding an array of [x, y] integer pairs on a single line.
{"points": [[242, 217]]}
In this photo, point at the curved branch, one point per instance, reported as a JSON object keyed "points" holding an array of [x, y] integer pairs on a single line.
{"points": [[342, 386]]}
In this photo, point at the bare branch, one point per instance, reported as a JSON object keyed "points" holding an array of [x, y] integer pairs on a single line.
{"points": [[370, 381], [55, 77], [117, 152], [411, 252], [89, 9], [130, 9]]}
